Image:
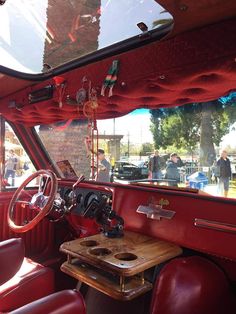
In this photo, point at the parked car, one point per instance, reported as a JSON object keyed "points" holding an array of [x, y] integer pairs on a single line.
{"points": [[130, 171]]}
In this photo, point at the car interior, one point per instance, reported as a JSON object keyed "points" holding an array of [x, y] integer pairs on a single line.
{"points": [[71, 244]]}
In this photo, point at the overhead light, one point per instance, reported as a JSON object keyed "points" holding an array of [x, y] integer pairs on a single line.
{"points": [[42, 94]]}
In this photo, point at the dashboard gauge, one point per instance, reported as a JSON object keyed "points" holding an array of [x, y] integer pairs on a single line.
{"points": [[67, 195], [89, 198], [80, 199]]}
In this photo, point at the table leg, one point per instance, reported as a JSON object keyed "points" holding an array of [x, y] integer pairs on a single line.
{"points": [[69, 259], [142, 278], [122, 283]]}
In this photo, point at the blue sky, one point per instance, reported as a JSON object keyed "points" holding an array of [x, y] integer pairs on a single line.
{"points": [[136, 124], [119, 19]]}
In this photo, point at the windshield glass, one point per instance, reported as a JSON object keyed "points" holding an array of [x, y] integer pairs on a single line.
{"points": [[42, 34], [190, 146]]}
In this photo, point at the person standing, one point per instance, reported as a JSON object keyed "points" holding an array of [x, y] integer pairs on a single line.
{"points": [[172, 171], [224, 173], [154, 166], [104, 167], [10, 166]]}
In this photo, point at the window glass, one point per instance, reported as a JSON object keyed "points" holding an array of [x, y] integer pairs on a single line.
{"points": [[18, 166], [36, 35], [189, 147]]}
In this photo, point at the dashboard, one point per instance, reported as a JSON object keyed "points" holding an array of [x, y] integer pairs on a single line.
{"points": [[124, 200], [80, 199], [93, 204]]}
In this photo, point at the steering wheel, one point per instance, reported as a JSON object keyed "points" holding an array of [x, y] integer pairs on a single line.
{"points": [[41, 202]]}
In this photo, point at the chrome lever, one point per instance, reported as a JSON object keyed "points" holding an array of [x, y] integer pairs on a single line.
{"points": [[81, 178]]}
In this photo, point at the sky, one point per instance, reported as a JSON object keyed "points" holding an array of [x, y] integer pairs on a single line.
{"points": [[22, 34], [136, 124], [126, 14], [229, 139]]}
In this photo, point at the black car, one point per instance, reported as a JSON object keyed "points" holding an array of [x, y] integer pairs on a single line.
{"points": [[131, 171]]}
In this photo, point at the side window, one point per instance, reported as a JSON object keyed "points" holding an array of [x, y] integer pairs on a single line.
{"points": [[18, 166]]}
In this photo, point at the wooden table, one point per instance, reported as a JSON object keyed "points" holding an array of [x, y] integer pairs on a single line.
{"points": [[115, 266]]}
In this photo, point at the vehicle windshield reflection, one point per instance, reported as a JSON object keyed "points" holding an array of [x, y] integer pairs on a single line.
{"points": [[36, 36]]}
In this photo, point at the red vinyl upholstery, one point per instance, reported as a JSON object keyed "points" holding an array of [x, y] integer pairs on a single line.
{"points": [[38, 241], [63, 302], [12, 253], [192, 285], [29, 281]]}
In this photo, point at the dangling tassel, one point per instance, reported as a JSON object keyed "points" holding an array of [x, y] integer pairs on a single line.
{"points": [[111, 78]]}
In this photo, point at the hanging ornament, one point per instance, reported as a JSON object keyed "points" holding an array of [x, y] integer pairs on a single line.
{"points": [[81, 95], [90, 107], [87, 142], [91, 144], [91, 140], [111, 78], [60, 85]]}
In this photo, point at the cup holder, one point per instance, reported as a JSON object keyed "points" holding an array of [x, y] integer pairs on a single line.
{"points": [[126, 256], [100, 251], [89, 243]]}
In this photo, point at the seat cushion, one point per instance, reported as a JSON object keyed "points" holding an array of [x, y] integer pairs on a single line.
{"points": [[31, 282], [63, 302]]}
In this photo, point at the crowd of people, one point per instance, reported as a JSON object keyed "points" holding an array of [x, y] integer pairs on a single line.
{"points": [[172, 174], [221, 170]]}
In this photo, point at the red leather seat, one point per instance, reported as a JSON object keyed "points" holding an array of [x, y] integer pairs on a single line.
{"points": [[192, 285], [63, 302], [25, 280]]}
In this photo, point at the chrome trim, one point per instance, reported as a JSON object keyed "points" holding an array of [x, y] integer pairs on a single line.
{"points": [[155, 212], [215, 225]]}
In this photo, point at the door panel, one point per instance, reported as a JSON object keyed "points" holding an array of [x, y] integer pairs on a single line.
{"points": [[38, 241]]}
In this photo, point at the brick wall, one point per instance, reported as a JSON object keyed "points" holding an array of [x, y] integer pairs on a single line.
{"points": [[75, 26], [68, 144]]}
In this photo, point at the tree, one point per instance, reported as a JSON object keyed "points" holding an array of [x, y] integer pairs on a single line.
{"points": [[146, 149], [177, 127], [193, 124]]}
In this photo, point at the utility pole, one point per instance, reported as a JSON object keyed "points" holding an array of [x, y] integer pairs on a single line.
{"points": [[128, 144], [114, 126]]}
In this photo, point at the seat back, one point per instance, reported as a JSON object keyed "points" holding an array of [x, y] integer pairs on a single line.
{"points": [[63, 302], [192, 285], [12, 254]]}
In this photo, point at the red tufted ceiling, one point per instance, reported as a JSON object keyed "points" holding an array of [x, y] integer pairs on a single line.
{"points": [[195, 66]]}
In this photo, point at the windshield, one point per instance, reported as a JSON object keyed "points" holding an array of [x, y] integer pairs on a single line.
{"points": [[38, 35], [190, 146]]}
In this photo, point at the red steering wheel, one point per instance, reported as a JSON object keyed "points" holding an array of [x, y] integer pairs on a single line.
{"points": [[41, 202]]}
